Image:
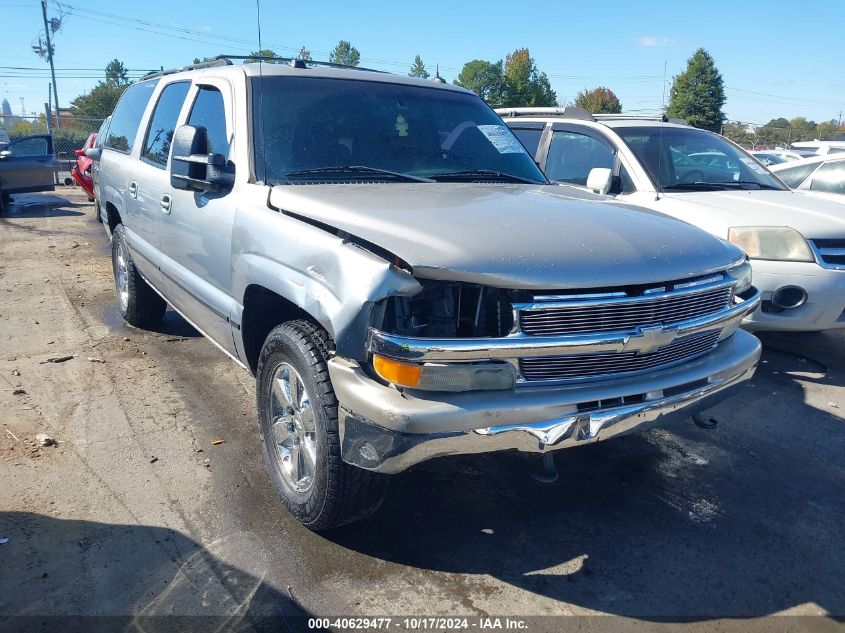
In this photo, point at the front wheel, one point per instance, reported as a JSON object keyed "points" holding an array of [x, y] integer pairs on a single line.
{"points": [[298, 417], [140, 305]]}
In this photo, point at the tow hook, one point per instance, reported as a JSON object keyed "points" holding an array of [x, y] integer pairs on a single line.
{"points": [[549, 474], [704, 423]]}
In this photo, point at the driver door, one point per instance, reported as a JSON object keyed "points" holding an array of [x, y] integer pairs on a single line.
{"points": [[26, 165]]}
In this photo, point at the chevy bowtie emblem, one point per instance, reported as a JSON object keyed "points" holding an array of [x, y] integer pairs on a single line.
{"points": [[647, 340]]}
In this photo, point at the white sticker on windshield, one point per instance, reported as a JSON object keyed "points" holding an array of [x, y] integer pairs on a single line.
{"points": [[502, 139], [753, 164]]}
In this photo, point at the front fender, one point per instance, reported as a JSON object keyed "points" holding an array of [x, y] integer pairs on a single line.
{"points": [[335, 281]]}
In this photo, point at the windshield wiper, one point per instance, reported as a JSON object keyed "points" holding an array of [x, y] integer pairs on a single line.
{"points": [[471, 175], [356, 169], [741, 183], [695, 186]]}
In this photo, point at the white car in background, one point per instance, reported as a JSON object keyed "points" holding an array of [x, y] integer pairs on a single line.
{"points": [[819, 147], [796, 241], [822, 175]]}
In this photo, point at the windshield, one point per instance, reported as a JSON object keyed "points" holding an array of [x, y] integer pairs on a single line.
{"points": [[688, 159], [307, 127]]}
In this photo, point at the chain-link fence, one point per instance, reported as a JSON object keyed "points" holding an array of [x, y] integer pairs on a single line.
{"points": [[69, 136]]}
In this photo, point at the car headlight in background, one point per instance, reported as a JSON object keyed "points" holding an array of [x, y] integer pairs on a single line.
{"points": [[742, 274], [779, 243], [445, 376]]}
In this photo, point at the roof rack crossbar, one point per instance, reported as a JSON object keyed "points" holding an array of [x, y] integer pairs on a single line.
{"points": [[217, 61], [297, 62], [568, 112]]}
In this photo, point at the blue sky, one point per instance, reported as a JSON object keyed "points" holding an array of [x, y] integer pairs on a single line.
{"points": [[773, 64]]}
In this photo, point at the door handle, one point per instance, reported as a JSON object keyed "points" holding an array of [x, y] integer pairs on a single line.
{"points": [[133, 189], [165, 203]]}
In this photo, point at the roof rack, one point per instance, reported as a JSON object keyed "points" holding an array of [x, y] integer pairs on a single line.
{"points": [[639, 117], [568, 112], [226, 60], [295, 62], [217, 61]]}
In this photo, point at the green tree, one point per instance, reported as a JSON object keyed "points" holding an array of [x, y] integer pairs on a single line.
{"points": [[484, 79], [304, 54], [418, 69], [599, 100], [738, 133], [344, 53], [266, 55], [116, 73], [99, 102], [197, 60], [525, 85], [698, 93]]}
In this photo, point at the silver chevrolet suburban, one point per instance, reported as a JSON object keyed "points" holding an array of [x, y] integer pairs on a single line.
{"points": [[392, 266]]}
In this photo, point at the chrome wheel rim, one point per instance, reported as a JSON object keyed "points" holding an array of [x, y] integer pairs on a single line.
{"points": [[293, 428], [122, 278]]}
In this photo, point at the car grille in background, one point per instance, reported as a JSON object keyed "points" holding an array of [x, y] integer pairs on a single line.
{"points": [[831, 252], [610, 363], [620, 315]]}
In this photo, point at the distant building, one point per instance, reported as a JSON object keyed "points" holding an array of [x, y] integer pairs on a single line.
{"points": [[5, 112]]}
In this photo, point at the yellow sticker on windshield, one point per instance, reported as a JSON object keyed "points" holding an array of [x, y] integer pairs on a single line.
{"points": [[401, 125]]}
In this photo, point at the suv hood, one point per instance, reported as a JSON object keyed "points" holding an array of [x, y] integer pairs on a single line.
{"points": [[511, 236], [814, 217]]}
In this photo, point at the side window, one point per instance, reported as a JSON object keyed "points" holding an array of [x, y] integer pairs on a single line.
{"points": [[573, 155], [34, 146], [529, 138], [794, 176], [163, 123], [127, 116], [625, 183], [830, 178], [208, 112]]}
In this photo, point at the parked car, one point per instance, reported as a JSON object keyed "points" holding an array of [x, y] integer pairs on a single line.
{"points": [[392, 266], [819, 147], [795, 242], [81, 172], [789, 154], [822, 175], [26, 165]]}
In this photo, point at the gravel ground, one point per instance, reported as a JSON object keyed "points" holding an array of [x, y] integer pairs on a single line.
{"points": [[135, 512]]}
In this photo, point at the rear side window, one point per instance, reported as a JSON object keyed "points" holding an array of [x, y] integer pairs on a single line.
{"points": [[830, 178], [208, 112], [529, 138], [163, 123], [794, 176], [573, 155], [127, 116]]}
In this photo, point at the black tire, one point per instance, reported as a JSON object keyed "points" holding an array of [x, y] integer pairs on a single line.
{"points": [[141, 306], [338, 493]]}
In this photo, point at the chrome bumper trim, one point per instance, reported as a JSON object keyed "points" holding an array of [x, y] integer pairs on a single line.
{"points": [[423, 429], [412, 349]]}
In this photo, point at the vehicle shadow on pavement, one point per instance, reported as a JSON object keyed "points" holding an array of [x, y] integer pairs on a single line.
{"points": [[129, 577], [41, 206], [675, 524]]}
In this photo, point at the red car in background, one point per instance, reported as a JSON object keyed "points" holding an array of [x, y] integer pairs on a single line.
{"points": [[81, 171]]}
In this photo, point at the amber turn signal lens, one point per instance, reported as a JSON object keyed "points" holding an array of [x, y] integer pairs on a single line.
{"points": [[396, 372]]}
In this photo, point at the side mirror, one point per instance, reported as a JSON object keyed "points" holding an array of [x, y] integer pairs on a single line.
{"points": [[600, 180], [94, 153], [5, 153], [192, 167]]}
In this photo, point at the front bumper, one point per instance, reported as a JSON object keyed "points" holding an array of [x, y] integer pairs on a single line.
{"points": [[388, 431], [825, 306]]}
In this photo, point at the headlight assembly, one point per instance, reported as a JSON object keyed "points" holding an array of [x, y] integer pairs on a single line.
{"points": [[779, 243], [479, 376], [742, 274]]}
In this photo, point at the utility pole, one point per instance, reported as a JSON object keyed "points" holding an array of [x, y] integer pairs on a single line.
{"points": [[50, 58]]}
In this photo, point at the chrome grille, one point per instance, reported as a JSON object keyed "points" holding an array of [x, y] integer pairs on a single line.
{"points": [[830, 252], [606, 364], [623, 314]]}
